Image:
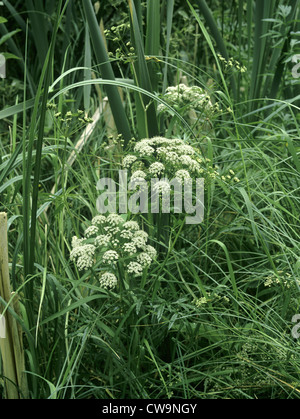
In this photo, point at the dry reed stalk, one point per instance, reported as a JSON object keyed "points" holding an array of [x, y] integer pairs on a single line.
{"points": [[11, 347]]}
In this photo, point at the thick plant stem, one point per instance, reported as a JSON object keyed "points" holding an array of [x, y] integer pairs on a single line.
{"points": [[11, 346]]}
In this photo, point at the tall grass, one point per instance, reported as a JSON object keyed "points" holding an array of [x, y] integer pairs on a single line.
{"points": [[212, 318]]}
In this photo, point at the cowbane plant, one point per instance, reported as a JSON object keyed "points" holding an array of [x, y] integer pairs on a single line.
{"points": [[170, 158], [116, 248], [167, 159], [185, 99], [153, 164]]}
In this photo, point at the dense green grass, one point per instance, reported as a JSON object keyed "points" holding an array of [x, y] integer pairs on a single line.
{"points": [[212, 318]]}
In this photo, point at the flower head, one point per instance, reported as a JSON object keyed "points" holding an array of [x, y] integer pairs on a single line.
{"points": [[128, 160], [130, 248], [110, 256], [131, 225], [143, 148], [144, 259], [76, 241], [182, 174], [151, 251], [115, 219], [162, 186], [139, 241], [156, 168], [102, 240], [108, 280], [110, 239], [138, 174], [135, 268], [99, 220], [91, 231], [83, 255]]}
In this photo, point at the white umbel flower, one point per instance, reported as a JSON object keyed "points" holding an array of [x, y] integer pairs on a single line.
{"points": [[171, 157], [181, 175], [145, 150], [161, 150], [186, 160], [102, 240], [115, 219], [110, 256], [111, 230], [190, 163], [156, 168], [108, 240], [135, 268], [162, 186], [187, 97], [144, 259], [138, 174], [126, 234], [186, 149], [128, 160], [146, 142], [91, 231], [76, 241], [139, 241], [83, 255], [84, 262], [142, 234], [130, 248], [108, 280], [131, 225], [151, 251], [99, 220]]}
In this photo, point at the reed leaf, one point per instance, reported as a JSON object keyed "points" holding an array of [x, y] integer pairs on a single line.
{"points": [[114, 98], [46, 80], [146, 114], [39, 25]]}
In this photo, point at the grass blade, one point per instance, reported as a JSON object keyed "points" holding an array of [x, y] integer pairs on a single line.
{"points": [[87, 71], [170, 11], [152, 42], [211, 23]]}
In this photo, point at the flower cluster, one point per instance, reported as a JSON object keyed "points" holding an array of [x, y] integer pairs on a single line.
{"points": [[213, 298], [69, 116], [160, 157], [119, 38], [69, 122], [83, 254], [108, 280], [111, 240], [232, 63], [230, 176], [182, 97], [284, 280]]}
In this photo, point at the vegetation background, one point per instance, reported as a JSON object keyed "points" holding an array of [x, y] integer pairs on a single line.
{"points": [[83, 84]]}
